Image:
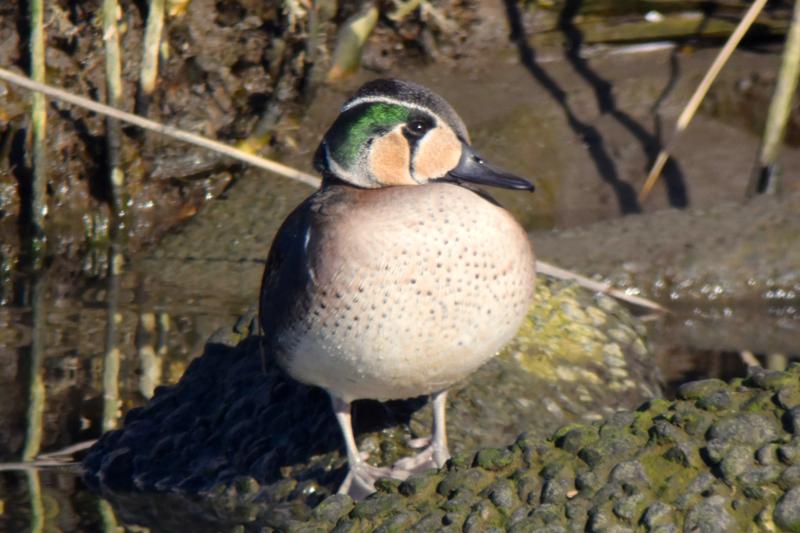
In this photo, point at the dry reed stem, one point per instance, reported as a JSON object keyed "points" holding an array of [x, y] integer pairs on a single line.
{"points": [[151, 48], [169, 131], [350, 42], [114, 99], [700, 93], [780, 107], [38, 518], [38, 126], [34, 416]]}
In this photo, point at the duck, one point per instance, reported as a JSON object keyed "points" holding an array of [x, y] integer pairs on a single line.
{"points": [[399, 276]]}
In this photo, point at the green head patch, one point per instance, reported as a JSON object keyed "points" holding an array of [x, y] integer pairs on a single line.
{"points": [[349, 134]]}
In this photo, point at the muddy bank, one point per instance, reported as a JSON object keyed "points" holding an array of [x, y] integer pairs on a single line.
{"points": [[730, 273]]}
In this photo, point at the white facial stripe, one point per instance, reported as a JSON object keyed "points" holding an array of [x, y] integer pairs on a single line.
{"points": [[343, 173], [386, 100], [411, 105]]}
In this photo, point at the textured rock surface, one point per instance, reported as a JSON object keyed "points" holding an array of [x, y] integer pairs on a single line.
{"points": [[733, 268], [721, 457], [744, 251], [263, 449]]}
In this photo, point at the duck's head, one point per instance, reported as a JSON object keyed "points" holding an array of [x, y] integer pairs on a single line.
{"points": [[393, 132]]}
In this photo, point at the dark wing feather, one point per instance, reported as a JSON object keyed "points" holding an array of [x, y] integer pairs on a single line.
{"points": [[286, 275]]}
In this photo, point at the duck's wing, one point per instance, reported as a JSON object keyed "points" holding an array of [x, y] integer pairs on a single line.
{"points": [[286, 274]]}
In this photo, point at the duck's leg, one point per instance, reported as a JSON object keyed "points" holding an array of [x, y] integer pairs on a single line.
{"points": [[360, 480], [440, 451], [436, 453]]}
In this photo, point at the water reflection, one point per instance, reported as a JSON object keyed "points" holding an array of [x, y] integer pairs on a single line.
{"points": [[77, 351], [151, 346], [35, 386], [38, 501], [35, 497], [111, 358]]}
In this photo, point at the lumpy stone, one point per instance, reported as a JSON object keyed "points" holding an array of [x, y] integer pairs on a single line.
{"points": [[787, 511]]}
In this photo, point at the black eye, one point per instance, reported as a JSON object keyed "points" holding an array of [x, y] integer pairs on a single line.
{"points": [[417, 127]]}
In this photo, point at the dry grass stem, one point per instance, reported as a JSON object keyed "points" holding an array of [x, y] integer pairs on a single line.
{"points": [[559, 273], [350, 42], [169, 131], [699, 94], [151, 48], [38, 125], [114, 98], [780, 107]]}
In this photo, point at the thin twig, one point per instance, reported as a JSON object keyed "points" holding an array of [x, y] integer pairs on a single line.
{"points": [[169, 131], [55, 459], [72, 449], [700, 93], [559, 273], [36, 464]]}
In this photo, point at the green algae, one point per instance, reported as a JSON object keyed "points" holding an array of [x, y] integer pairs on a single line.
{"points": [[663, 483], [559, 337]]}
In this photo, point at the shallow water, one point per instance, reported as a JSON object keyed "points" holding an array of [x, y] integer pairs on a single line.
{"points": [[79, 347]]}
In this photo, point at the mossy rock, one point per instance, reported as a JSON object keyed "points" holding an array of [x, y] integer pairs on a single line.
{"points": [[667, 466], [652, 469]]}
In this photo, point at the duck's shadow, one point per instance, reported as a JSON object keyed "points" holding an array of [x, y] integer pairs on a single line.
{"points": [[233, 425]]}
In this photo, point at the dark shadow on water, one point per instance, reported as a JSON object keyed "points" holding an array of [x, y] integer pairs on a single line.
{"points": [[675, 184], [226, 421], [672, 174], [625, 193]]}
